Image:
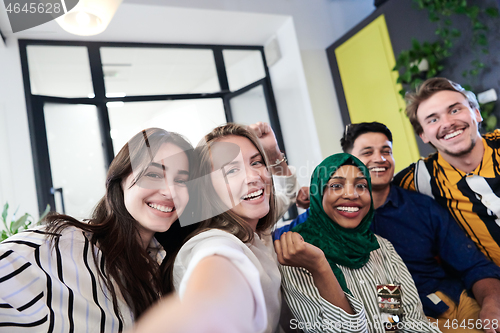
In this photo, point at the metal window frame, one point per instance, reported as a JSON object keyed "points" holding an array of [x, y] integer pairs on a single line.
{"points": [[35, 103]]}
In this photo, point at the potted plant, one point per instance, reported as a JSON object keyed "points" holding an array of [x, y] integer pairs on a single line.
{"points": [[15, 225]]}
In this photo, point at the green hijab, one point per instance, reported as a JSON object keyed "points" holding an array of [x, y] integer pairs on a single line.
{"points": [[343, 246]]}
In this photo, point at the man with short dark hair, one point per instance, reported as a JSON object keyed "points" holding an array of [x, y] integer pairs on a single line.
{"points": [[464, 174], [421, 232]]}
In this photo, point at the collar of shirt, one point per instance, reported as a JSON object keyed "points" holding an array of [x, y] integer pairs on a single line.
{"points": [[448, 168], [156, 251], [392, 198]]}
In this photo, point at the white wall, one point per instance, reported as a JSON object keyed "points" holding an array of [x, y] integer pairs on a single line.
{"points": [[301, 80], [17, 182], [329, 125], [294, 106]]}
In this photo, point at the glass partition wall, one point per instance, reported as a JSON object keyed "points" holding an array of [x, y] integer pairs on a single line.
{"points": [[85, 100]]}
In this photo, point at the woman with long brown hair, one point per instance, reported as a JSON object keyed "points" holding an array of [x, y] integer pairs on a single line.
{"points": [[226, 274], [72, 276]]}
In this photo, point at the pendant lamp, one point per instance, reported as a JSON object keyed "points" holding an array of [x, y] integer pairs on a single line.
{"points": [[89, 17]]}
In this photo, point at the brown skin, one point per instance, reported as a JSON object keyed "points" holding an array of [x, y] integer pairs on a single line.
{"points": [[371, 150], [303, 198], [293, 251], [375, 151]]}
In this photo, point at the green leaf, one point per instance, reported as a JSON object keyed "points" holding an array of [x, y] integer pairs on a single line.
{"points": [[491, 11], [482, 40], [491, 122], [478, 26], [473, 11], [418, 82], [4, 215], [455, 33], [402, 92], [4, 212], [486, 109], [415, 44], [406, 77], [45, 212], [14, 227], [4, 236]]}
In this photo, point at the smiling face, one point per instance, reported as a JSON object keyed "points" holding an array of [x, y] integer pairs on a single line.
{"points": [[346, 198], [449, 123], [159, 197], [243, 183], [375, 151]]}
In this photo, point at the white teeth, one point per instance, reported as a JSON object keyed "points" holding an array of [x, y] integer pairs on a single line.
{"points": [[452, 135], [377, 169], [253, 195], [164, 209], [348, 209]]}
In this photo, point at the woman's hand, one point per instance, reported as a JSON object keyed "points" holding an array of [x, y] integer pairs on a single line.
{"points": [[266, 136], [292, 250]]}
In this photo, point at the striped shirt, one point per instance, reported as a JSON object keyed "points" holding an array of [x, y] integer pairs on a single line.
{"points": [[315, 314], [50, 286], [471, 198]]}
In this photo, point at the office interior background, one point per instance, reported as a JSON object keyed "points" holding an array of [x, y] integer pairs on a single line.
{"points": [[276, 56]]}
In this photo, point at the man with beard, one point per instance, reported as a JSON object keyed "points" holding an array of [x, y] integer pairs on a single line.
{"points": [[464, 174]]}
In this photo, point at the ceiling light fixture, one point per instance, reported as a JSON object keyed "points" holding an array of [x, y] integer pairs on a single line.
{"points": [[89, 17]]}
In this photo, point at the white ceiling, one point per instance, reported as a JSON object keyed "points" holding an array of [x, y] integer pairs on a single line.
{"points": [[252, 22], [139, 23]]}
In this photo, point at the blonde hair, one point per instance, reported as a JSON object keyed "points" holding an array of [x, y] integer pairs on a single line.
{"points": [[228, 220]]}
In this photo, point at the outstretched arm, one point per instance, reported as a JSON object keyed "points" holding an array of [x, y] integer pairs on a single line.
{"points": [[217, 299]]}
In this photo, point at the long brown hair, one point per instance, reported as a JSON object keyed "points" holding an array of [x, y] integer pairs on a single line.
{"points": [[210, 200], [114, 231]]}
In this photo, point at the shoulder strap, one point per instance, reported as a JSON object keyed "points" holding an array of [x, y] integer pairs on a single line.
{"points": [[422, 179]]}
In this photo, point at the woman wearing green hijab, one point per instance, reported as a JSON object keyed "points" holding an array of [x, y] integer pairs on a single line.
{"points": [[334, 266]]}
